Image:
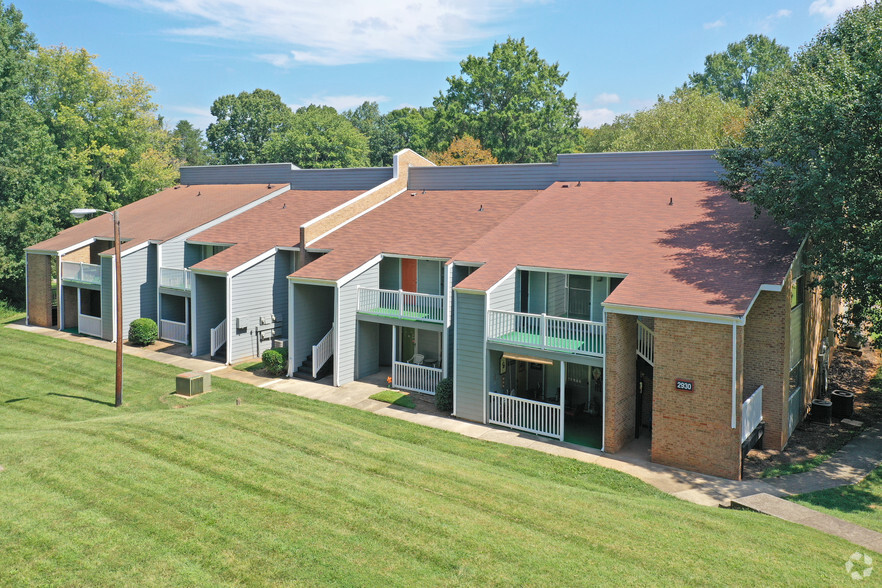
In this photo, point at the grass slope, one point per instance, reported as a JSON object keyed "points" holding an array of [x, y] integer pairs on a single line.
{"points": [[281, 490], [860, 504]]}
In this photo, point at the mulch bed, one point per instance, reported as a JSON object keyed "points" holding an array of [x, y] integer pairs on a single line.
{"points": [[851, 370]]}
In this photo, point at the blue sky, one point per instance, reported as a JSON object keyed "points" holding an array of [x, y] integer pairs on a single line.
{"points": [[620, 55]]}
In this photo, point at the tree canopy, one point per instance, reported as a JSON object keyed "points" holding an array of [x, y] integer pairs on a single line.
{"points": [[688, 119], [738, 72], [318, 137], [462, 151], [811, 155], [244, 125], [512, 101], [190, 147]]}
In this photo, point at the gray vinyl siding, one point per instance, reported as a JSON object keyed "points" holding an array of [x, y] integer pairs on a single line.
{"points": [[173, 253], [259, 291], [658, 166], [312, 314], [139, 286], [286, 173], [429, 276], [210, 308], [363, 178], [503, 295], [368, 355], [598, 295], [107, 284], [556, 303], [345, 362], [258, 173], [468, 367]]}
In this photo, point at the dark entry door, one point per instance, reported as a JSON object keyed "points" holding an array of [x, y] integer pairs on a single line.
{"points": [[409, 275]]}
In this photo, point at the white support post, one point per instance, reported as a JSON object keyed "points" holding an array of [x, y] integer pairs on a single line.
{"points": [[400, 303], [543, 330], [60, 294], [79, 308], [563, 387]]}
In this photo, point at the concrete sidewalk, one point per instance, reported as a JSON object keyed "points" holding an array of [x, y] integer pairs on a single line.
{"points": [[848, 466]]}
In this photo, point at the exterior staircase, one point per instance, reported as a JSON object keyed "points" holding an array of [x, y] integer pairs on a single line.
{"points": [[304, 371]]}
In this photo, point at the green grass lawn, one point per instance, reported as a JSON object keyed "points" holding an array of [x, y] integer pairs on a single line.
{"points": [[861, 504], [395, 397], [285, 490]]}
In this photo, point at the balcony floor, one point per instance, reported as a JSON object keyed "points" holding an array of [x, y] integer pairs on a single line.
{"points": [[555, 343], [411, 315]]}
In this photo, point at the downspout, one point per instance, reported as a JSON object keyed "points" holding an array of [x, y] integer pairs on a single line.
{"points": [[229, 318], [336, 335], [27, 295], [603, 411], [60, 294], [734, 373]]}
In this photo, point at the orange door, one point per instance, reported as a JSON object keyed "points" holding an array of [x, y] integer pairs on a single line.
{"points": [[409, 275]]}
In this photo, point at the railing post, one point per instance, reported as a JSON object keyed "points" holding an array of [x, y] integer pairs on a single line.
{"points": [[400, 303], [543, 330]]}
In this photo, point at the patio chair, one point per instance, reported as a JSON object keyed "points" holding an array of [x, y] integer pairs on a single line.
{"points": [[417, 359]]}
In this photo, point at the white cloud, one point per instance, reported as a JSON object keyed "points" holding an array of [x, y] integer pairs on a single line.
{"points": [[783, 13], [607, 98], [333, 32], [830, 9], [594, 117], [198, 116], [715, 25], [340, 103]]}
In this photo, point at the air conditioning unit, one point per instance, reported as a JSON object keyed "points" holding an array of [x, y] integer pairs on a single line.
{"points": [[280, 343]]}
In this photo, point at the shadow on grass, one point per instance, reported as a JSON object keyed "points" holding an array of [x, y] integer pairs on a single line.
{"points": [[11, 400], [851, 499], [104, 402]]}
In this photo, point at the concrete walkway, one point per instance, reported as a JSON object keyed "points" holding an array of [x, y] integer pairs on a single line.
{"points": [[848, 466]]}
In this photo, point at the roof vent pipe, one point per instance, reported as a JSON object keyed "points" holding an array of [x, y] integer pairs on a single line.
{"points": [[671, 203]]}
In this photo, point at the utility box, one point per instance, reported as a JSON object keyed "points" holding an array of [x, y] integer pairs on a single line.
{"points": [[193, 383]]}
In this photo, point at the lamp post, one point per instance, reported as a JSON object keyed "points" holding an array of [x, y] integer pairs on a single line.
{"points": [[80, 213]]}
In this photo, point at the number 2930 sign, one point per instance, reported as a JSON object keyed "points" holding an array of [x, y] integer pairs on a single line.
{"points": [[685, 385]]}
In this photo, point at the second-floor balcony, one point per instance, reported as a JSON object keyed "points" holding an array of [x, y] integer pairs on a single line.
{"points": [[178, 279], [552, 333], [85, 273], [402, 305]]}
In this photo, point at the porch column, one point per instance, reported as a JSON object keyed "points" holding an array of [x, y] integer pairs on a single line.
{"points": [[563, 387], [394, 354], [60, 291]]}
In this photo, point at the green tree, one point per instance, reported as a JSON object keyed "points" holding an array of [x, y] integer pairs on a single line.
{"points": [[686, 120], [245, 123], [811, 155], [369, 122], [602, 138], [742, 68], [190, 147], [512, 102], [462, 151], [318, 137], [107, 129], [31, 198]]}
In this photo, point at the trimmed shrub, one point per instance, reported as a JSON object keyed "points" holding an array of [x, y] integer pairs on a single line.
{"points": [[444, 395], [143, 331], [274, 362]]}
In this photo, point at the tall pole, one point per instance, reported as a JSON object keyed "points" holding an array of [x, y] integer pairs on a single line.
{"points": [[119, 315]]}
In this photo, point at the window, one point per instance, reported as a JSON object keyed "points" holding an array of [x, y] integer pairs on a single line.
{"points": [[209, 250], [797, 292], [579, 297]]}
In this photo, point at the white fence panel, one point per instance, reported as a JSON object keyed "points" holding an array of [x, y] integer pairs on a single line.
{"points": [[546, 332], [419, 378], [322, 352], [174, 331], [89, 325], [170, 277], [751, 413], [525, 415], [645, 343], [218, 336]]}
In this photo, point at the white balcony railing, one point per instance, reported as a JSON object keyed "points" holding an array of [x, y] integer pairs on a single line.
{"points": [[645, 343], [322, 352], [751, 413], [541, 331], [401, 304], [419, 378], [89, 325], [75, 271], [218, 336], [174, 331], [540, 418], [170, 277]]}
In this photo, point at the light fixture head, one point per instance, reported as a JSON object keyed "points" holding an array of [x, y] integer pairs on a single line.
{"points": [[81, 212]]}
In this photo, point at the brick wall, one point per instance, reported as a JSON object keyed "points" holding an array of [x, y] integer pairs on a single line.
{"points": [[403, 161], [766, 344], [692, 430], [70, 307], [39, 289], [82, 255], [621, 380]]}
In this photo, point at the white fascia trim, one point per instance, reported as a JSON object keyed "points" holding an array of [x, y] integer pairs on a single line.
{"points": [[417, 257], [229, 320], [311, 281], [408, 150], [340, 207], [360, 214], [231, 214], [466, 263], [762, 288], [138, 247], [603, 410], [551, 270], [359, 270], [205, 272], [65, 250], [673, 314], [470, 291], [336, 335], [252, 261], [504, 278]]}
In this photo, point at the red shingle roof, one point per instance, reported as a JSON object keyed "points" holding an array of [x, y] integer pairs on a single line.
{"points": [[164, 215], [272, 224], [432, 224], [705, 253]]}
